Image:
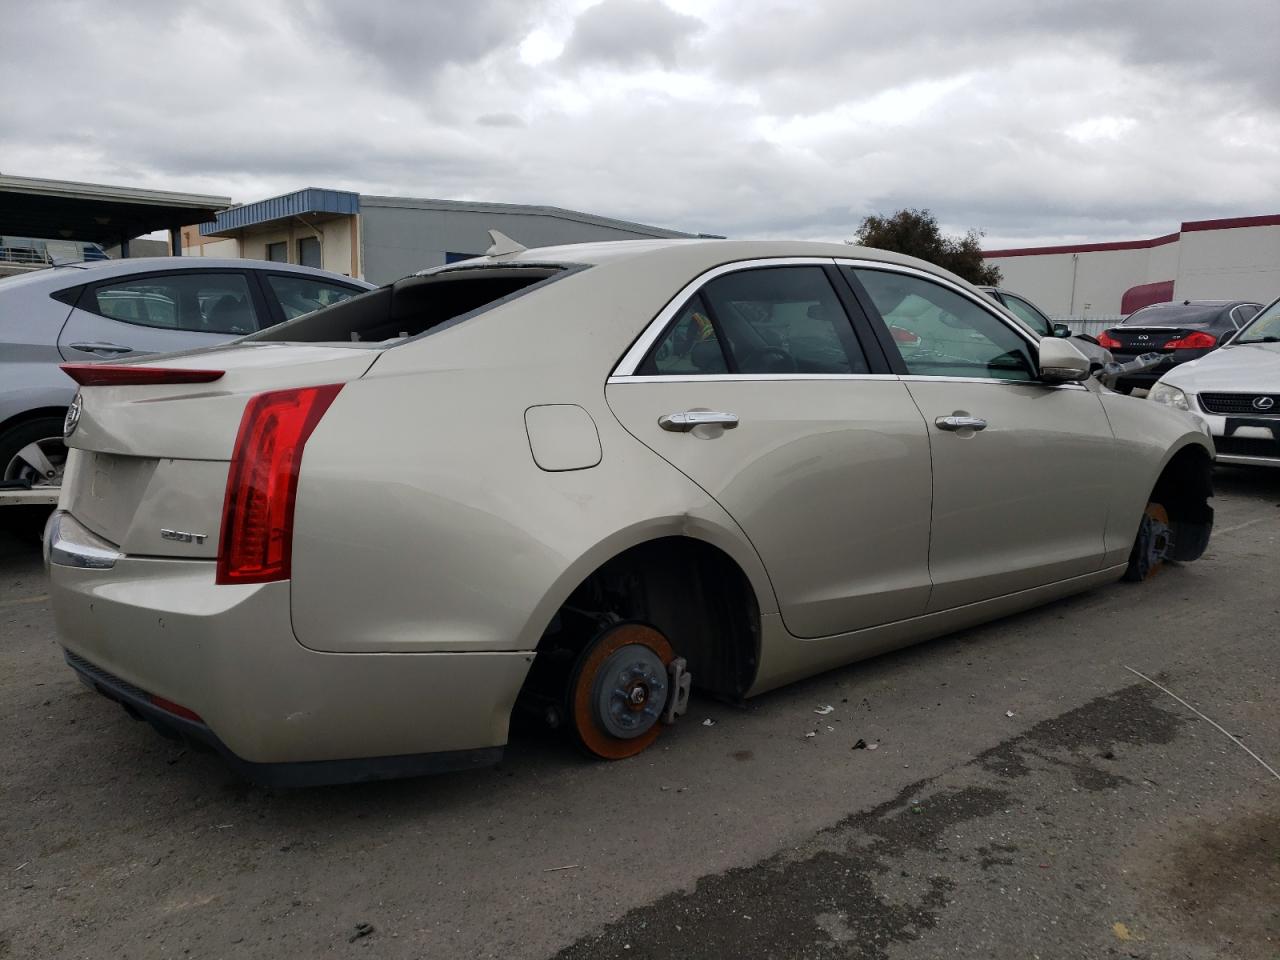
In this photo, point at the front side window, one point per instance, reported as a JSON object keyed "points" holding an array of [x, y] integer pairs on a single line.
{"points": [[1029, 315], [940, 333], [301, 294], [199, 303], [768, 320]]}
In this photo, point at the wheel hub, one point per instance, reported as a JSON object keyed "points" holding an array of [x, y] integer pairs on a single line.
{"points": [[39, 463], [630, 691]]}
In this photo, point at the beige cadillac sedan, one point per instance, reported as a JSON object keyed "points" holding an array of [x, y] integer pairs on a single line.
{"points": [[578, 480]]}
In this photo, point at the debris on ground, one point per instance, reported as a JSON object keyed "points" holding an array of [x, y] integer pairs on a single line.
{"points": [[823, 711], [708, 722], [1008, 713], [873, 746], [860, 744], [811, 733], [362, 930]]}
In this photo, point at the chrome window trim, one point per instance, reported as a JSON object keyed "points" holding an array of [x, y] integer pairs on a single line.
{"points": [[1041, 384], [626, 367], [761, 377], [981, 300]]}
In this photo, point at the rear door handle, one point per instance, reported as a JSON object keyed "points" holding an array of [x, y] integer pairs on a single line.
{"points": [[100, 348], [960, 423], [686, 421]]}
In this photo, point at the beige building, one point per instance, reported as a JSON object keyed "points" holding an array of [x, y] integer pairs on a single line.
{"points": [[382, 239], [1205, 260]]}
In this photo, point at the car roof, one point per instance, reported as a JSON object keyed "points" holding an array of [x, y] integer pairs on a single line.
{"points": [[695, 254], [90, 271]]}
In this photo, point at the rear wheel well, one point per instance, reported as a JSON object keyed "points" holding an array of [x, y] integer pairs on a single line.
{"points": [[39, 413], [694, 593], [1184, 489]]}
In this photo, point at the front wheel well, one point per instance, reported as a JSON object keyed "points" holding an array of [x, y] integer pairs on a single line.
{"points": [[1184, 488], [691, 591]]}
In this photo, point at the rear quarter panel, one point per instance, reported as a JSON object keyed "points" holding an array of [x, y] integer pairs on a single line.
{"points": [[423, 522]]}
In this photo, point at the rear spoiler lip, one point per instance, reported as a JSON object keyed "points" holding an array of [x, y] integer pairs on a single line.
{"points": [[110, 375]]}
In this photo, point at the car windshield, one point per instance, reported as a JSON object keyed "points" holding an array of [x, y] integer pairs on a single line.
{"points": [[1175, 315], [1264, 328]]}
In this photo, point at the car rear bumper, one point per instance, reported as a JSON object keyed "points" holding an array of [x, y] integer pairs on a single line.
{"points": [[148, 629], [299, 773]]}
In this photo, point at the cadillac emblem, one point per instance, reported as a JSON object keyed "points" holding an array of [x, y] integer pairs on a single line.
{"points": [[73, 417]]}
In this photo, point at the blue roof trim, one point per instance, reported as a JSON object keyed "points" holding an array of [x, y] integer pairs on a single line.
{"points": [[301, 202]]}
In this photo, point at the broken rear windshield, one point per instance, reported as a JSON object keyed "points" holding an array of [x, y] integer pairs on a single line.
{"points": [[413, 306]]}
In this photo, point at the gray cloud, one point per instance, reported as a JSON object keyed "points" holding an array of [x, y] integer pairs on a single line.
{"points": [[630, 32], [1033, 122]]}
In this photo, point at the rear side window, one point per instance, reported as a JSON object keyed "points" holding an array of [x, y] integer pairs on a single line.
{"points": [[196, 302], [769, 320], [299, 294], [413, 306]]}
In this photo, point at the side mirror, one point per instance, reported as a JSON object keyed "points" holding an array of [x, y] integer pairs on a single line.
{"points": [[1062, 362], [1061, 330]]}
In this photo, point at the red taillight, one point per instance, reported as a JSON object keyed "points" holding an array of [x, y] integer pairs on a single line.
{"points": [[1105, 339], [1193, 341], [177, 709], [98, 375], [257, 516], [904, 336]]}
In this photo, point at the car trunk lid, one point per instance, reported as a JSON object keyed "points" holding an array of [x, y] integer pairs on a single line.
{"points": [[149, 462]]}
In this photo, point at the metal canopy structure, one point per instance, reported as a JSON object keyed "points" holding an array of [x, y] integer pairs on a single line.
{"points": [[65, 210]]}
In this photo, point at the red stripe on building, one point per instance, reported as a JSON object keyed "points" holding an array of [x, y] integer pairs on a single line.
{"points": [[1083, 247]]}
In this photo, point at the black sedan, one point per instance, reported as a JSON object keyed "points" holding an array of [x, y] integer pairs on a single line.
{"points": [[1182, 331]]}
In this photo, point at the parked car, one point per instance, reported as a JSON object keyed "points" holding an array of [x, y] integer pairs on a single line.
{"points": [[1183, 331], [1039, 321], [576, 478], [108, 309], [1236, 389]]}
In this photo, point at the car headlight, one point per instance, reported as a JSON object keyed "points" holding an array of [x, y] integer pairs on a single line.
{"points": [[1170, 396]]}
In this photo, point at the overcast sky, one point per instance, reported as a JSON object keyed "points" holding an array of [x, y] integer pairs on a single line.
{"points": [[1032, 120]]}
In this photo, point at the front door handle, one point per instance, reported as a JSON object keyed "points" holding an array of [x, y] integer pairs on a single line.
{"points": [[960, 423], [686, 421], [100, 348]]}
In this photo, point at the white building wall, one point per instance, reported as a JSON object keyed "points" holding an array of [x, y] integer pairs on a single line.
{"points": [[1208, 260], [1240, 263]]}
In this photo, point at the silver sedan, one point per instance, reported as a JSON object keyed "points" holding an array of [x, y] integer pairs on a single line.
{"points": [[577, 481]]}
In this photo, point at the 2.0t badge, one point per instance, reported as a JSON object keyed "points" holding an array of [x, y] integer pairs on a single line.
{"points": [[73, 417]]}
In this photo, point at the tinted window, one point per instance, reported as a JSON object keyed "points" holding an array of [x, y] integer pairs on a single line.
{"points": [[691, 346], [1265, 327], [783, 320], [1175, 315], [299, 294], [1243, 314], [198, 302], [1029, 315], [940, 333]]}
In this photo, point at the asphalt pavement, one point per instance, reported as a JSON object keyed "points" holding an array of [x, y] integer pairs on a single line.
{"points": [[1020, 794]]}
